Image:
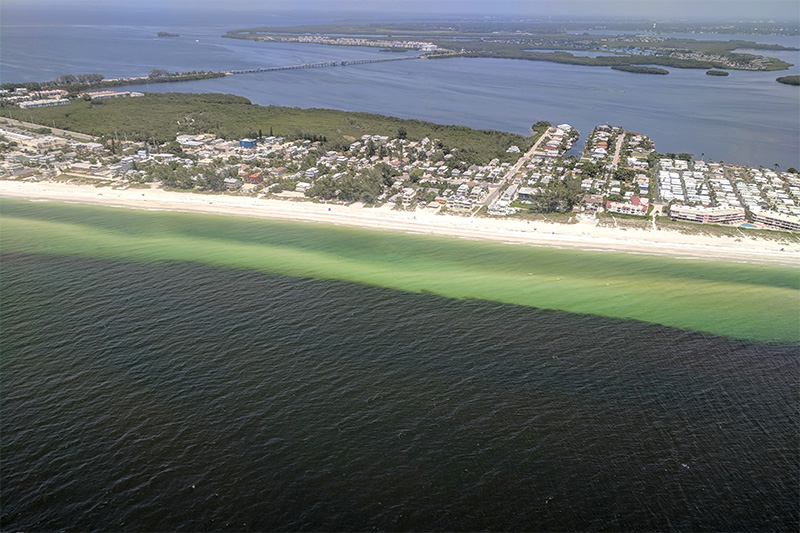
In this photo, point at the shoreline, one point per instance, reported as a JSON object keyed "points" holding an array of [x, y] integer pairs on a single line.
{"points": [[581, 236]]}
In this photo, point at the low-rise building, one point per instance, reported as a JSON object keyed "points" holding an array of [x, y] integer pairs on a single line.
{"points": [[45, 142], [707, 215], [99, 95], [509, 195], [43, 103], [459, 203], [499, 208], [526, 193], [774, 220], [408, 196], [637, 206], [232, 183]]}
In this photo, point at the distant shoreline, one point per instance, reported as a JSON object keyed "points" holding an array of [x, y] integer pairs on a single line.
{"points": [[533, 42], [580, 236]]}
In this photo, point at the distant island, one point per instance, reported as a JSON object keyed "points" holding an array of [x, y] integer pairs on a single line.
{"points": [[641, 70], [167, 34], [789, 80], [717, 73], [530, 41]]}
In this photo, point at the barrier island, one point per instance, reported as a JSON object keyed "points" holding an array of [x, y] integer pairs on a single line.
{"points": [[529, 41]]}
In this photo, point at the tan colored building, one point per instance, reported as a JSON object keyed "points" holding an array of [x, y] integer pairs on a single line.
{"points": [[777, 221], [707, 215]]}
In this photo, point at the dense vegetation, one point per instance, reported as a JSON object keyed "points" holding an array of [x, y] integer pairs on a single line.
{"points": [[77, 79], [560, 196], [75, 83], [160, 117], [365, 187], [789, 80], [516, 52], [717, 73], [174, 175], [636, 69]]}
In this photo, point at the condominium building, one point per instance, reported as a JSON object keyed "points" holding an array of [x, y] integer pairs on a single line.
{"points": [[707, 215]]}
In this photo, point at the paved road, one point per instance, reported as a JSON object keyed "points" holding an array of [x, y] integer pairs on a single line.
{"points": [[620, 142], [495, 192], [56, 131]]}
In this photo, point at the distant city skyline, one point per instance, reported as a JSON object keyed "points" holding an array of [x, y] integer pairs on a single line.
{"points": [[674, 10]]}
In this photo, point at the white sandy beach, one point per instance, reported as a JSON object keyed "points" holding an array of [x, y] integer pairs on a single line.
{"points": [[583, 236]]}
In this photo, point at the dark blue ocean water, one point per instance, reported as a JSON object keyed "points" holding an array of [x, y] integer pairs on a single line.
{"points": [[744, 118], [181, 397]]}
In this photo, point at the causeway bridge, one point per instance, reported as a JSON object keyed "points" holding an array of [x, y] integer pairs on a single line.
{"points": [[343, 63], [365, 61]]}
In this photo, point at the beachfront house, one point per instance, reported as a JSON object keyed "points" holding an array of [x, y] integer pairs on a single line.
{"points": [[637, 206], [408, 196], [459, 203]]}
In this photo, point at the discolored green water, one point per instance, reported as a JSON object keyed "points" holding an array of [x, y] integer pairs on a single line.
{"points": [[756, 302]]}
